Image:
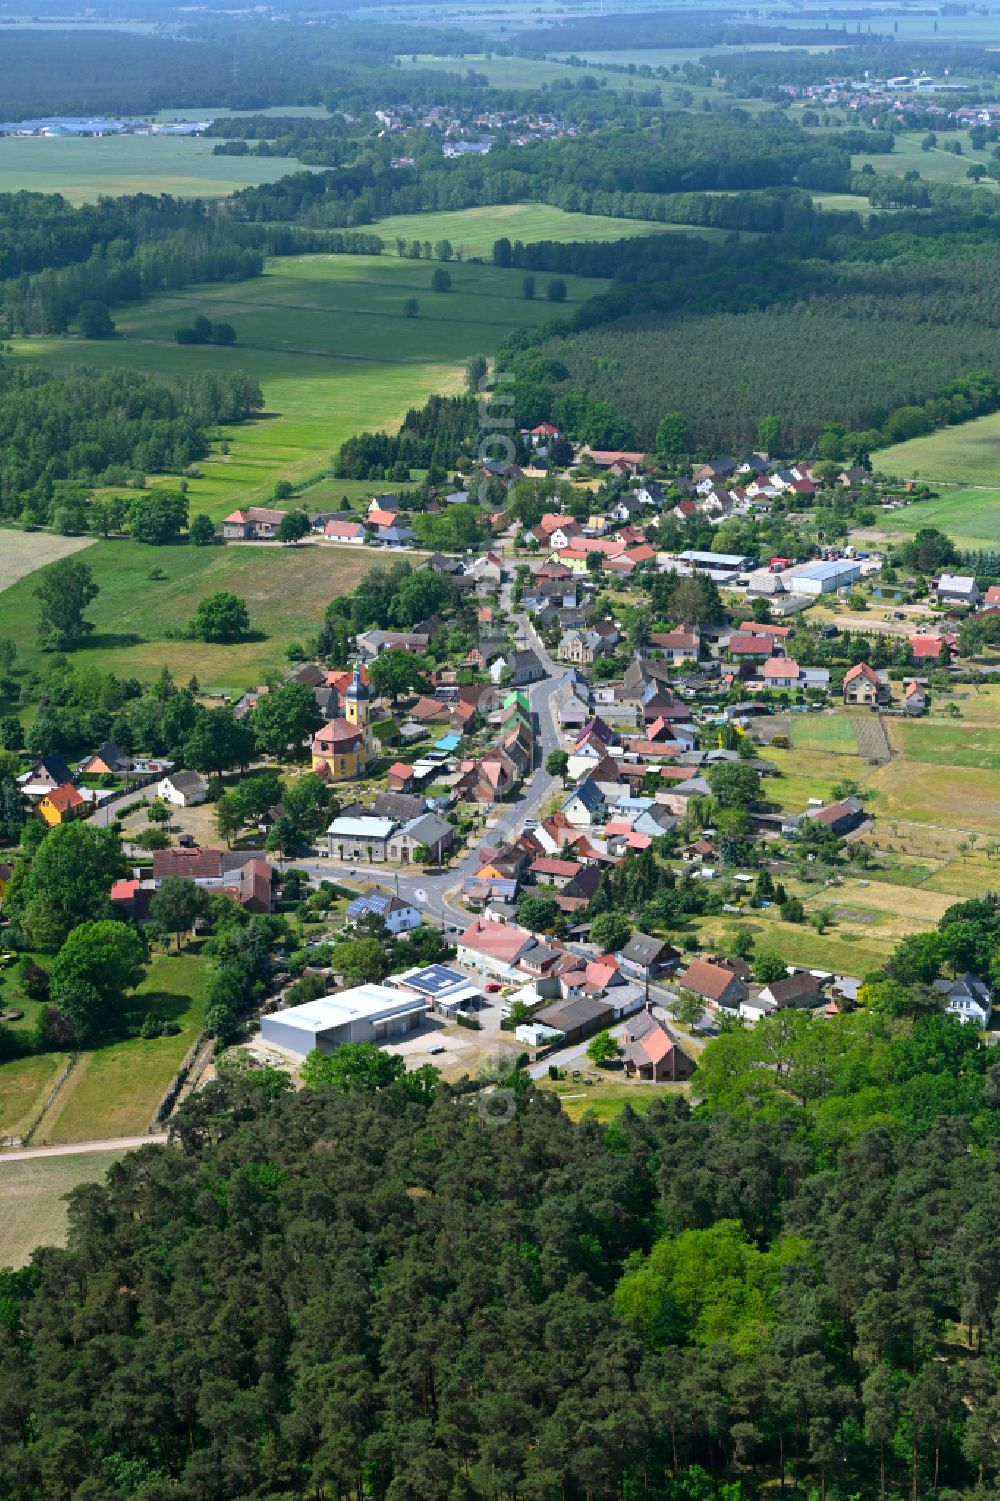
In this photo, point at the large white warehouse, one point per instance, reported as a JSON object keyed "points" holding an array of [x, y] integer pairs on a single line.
{"points": [[823, 578], [368, 1013]]}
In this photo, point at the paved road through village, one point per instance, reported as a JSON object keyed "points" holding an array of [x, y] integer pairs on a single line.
{"points": [[535, 792]]}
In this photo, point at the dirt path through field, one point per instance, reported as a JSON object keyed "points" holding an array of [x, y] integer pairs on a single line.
{"points": [[75, 1148], [22, 552]]}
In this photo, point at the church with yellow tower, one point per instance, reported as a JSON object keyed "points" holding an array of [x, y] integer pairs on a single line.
{"points": [[341, 750]]}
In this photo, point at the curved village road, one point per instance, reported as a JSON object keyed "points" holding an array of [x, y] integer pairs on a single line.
{"points": [[534, 793]]}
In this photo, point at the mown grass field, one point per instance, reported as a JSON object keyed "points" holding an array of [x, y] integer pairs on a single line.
{"points": [[85, 168], [971, 517], [35, 1212], [286, 590], [945, 743], [473, 230], [327, 339], [22, 552], [944, 774], [849, 949], [824, 732], [806, 772], [114, 1090]]}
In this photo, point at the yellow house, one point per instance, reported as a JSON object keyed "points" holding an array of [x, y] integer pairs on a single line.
{"points": [[61, 804], [341, 747]]}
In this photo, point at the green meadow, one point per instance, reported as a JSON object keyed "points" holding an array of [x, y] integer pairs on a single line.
{"points": [[966, 454], [970, 517], [85, 168], [327, 338], [508, 72], [936, 165], [286, 590], [474, 230], [115, 1090]]}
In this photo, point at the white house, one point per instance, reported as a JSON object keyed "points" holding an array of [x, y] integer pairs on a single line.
{"points": [[184, 789], [968, 998], [398, 915], [958, 589], [359, 838], [584, 807]]}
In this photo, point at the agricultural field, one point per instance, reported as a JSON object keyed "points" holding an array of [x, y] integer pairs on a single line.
{"points": [[327, 338], [22, 552], [936, 826], [473, 230], [286, 594], [85, 168], [35, 1209], [114, 1090]]}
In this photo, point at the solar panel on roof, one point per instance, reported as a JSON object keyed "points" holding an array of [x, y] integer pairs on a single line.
{"points": [[376, 902], [435, 978]]}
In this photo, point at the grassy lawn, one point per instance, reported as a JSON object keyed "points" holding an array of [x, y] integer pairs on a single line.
{"points": [[286, 590], [966, 454], [87, 167], [113, 1091], [845, 203], [884, 899], [13, 996], [809, 773], [965, 876], [948, 742], [328, 341], [824, 732], [24, 1085], [604, 1097], [33, 1194], [845, 948], [978, 701]]}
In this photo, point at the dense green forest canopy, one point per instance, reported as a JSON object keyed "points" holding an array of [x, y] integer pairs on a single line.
{"points": [[415, 1293], [854, 359], [110, 426], [249, 66]]}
